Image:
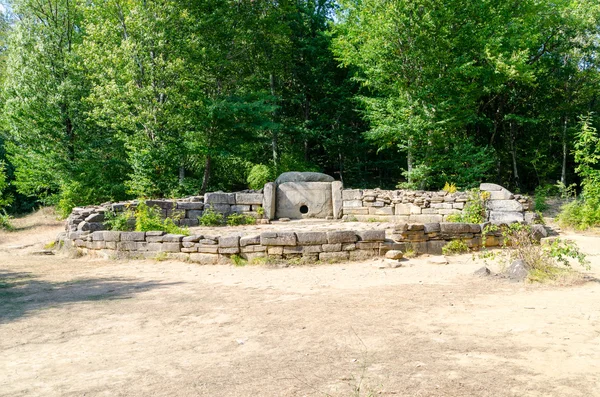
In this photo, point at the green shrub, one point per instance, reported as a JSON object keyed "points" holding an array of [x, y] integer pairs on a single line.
{"points": [[146, 218], [585, 211], [5, 221], [150, 219], [120, 221], [259, 175], [211, 218], [543, 262], [455, 247], [238, 261], [474, 211], [417, 178], [240, 219]]}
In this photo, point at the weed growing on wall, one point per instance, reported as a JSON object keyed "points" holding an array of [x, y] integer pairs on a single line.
{"points": [[211, 218], [474, 211], [143, 219], [240, 219], [455, 247]]}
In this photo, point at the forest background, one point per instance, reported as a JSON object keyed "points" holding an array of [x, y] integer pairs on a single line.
{"points": [[116, 99]]}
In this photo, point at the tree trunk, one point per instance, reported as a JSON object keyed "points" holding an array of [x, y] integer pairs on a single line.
{"points": [[181, 174], [563, 173], [513, 152], [206, 177], [274, 140]]}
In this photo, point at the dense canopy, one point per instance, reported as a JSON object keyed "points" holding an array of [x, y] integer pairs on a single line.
{"points": [[114, 99]]}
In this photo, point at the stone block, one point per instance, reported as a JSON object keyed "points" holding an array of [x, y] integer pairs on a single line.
{"points": [[415, 210], [239, 208], [490, 187], [229, 251], [501, 195], [434, 247], [112, 236], [170, 238], [430, 211], [334, 256], [352, 204], [98, 236], [204, 259], [249, 240], [111, 245], [190, 206], [154, 247], [154, 239], [188, 244], [194, 238], [312, 249], [189, 249], [269, 203], [381, 211], [292, 250], [336, 198], [402, 209], [331, 247], [194, 214], [455, 228], [371, 235], [504, 205], [253, 248], [162, 204], [220, 208], [297, 200], [278, 238], [351, 194], [361, 255], [208, 249], [431, 228], [170, 247], [341, 236], [356, 211], [448, 211], [90, 226], [367, 245], [499, 217], [95, 217], [127, 246], [133, 236], [232, 241], [426, 218], [311, 238], [189, 222], [377, 204], [275, 250], [415, 227], [98, 245], [248, 198], [208, 241], [458, 206], [155, 233], [219, 198], [348, 247]]}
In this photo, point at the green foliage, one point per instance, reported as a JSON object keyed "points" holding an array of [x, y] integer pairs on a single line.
{"points": [[150, 219], [5, 199], [5, 221], [450, 188], [455, 247], [211, 218], [584, 212], [540, 197], [240, 219], [238, 261], [259, 175], [474, 210], [417, 178], [120, 221], [544, 262]]}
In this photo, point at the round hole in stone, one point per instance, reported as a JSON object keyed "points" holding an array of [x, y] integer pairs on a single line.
{"points": [[303, 209]]}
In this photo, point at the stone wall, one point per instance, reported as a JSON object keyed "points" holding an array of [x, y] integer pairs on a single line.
{"points": [[409, 206], [184, 212], [338, 245]]}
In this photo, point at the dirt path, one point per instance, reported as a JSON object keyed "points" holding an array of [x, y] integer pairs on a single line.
{"points": [[81, 327]]}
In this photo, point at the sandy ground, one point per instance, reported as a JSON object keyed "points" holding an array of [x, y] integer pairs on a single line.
{"points": [[90, 327]]}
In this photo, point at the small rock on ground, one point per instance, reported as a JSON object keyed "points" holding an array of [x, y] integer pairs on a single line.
{"points": [[438, 260], [394, 254], [517, 271], [484, 271]]}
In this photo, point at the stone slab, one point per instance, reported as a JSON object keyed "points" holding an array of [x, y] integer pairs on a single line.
{"points": [[314, 197], [219, 198], [311, 238], [269, 203], [341, 236], [336, 198], [278, 238], [249, 198], [351, 194]]}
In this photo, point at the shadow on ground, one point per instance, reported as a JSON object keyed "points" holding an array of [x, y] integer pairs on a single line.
{"points": [[22, 293]]}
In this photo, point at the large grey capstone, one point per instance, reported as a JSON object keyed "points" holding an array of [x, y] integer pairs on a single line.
{"points": [[312, 197], [303, 177]]}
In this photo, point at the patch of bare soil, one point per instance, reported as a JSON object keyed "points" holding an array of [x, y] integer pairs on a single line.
{"points": [[75, 327]]}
